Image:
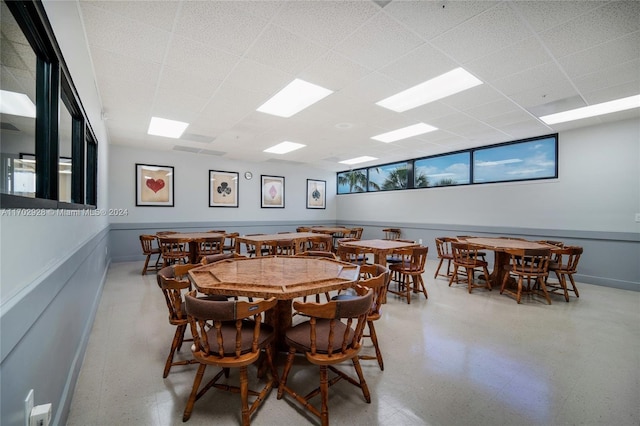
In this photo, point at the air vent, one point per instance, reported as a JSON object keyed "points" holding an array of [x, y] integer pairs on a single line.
{"points": [[186, 149], [197, 138], [212, 152]]}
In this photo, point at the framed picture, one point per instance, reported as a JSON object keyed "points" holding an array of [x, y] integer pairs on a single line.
{"points": [[223, 189], [316, 194], [272, 191], [154, 185]]}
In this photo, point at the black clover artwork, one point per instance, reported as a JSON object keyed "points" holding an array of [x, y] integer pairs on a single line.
{"points": [[224, 189]]}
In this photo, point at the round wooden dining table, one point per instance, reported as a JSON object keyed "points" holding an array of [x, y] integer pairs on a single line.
{"points": [[282, 277]]}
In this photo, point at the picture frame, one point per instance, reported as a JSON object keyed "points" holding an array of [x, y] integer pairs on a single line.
{"points": [[316, 194], [154, 185], [272, 191], [223, 188]]}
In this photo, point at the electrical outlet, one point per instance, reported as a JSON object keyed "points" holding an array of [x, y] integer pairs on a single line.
{"points": [[637, 217], [28, 406]]}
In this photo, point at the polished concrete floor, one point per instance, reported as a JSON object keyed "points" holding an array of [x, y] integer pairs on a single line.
{"points": [[454, 359]]}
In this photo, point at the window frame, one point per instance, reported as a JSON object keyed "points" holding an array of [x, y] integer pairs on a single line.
{"points": [[411, 166], [53, 84]]}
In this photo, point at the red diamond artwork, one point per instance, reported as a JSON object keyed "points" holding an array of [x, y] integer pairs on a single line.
{"points": [[155, 184]]}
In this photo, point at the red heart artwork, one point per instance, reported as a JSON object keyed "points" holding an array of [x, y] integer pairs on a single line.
{"points": [[155, 184]]}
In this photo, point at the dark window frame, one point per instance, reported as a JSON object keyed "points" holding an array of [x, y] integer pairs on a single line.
{"points": [[470, 151], [53, 83]]}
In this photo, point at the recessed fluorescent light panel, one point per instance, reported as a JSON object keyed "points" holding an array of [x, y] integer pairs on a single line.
{"points": [[358, 160], [405, 132], [16, 104], [295, 97], [166, 128], [284, 147], [593, 110], [439, 87]]}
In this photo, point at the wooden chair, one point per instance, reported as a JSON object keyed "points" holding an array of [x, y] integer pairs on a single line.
{"points": [[375, 277], [208, 246], [320, 242], [235, 340], [410, 267], [251, 248], [529, 264], [355, 233], [213, 258], [564, 264], [326, 341], [391, 233], [349, 253], [281, 247], [149, 249], [303, 229], [172, 282], [230, 242], [480, 254], [174, 250], [466, 256], [443, 246]]}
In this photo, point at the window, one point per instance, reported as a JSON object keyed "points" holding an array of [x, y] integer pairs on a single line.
{"points": [[389, 177], [536, 159], [352, 181], [45, 159], [443, 170], [527, 159]]}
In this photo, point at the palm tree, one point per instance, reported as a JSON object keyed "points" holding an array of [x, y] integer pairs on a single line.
{"points": [[356, 179], [398, 179]]}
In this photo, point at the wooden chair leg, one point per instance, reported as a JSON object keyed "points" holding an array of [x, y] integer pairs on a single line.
{"points": [[374, 339], [573, 284], [285, 372], [244, 395], [363, 382], [324, 395], [194, 391], [146, 263], [438, 268]]}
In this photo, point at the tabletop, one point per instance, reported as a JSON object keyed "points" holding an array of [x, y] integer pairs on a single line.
{"points": [[282, 277], [506, 243], [380, 248], [191, 235]]}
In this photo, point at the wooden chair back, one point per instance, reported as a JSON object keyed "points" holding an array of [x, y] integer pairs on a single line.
{"points": [[375, 277], [208, 246], [318, 253], [325, 345], [174, 250], [226, 344], [567, 259], [465, 255], [213, 258], [322, 242], [230, 242], [171, 280], [529, 262], [149, 249], [350, 254], [391, 233]]}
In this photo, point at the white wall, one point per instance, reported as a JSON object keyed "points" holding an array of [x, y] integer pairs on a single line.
{"points": [[191, 192], [598, 189], [30, 247]]}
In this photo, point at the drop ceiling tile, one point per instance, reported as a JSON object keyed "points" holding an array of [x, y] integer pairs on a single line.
{"points": [[475, 96], [419, 65], [373, 88], [602, 56], [333, 71], [259, 78], [379, 42], [201, 86], [600, 25], [229, 25], [229, 106], [430, 19], [284, 50], [157, 14], [199, 59], [492, 30], [543, 15], [525, 54], [124, 36], [616, 75], [325, 23], [613, 92], [526, 129], [549, 92], [540, 76], [492, 109], [502, 120], [110, 66], [176, 105]]}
